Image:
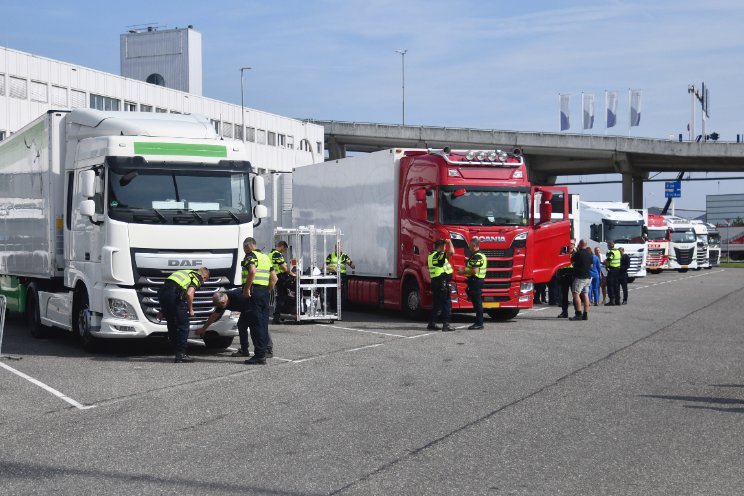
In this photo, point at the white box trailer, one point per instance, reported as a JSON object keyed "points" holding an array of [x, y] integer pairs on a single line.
{"points": [[360, 196], [98, 208]]}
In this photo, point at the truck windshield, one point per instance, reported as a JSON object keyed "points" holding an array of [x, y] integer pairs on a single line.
{"points": [[657, 234], [683, 236], [167, 195], [714, 239], [481, 206], [623, 233]]}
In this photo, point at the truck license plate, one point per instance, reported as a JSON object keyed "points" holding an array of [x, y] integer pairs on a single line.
{"points": [[491, 304]]}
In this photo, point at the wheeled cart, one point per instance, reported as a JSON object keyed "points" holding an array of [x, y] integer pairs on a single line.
{"points": [[314, 287]]}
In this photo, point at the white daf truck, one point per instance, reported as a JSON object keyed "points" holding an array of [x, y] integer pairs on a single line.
{"points": [[98, 208], [683, 253]]}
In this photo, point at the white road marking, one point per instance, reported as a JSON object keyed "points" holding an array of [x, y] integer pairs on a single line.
{"points": [[364, 347], [362, 330], [421, 335], [47, 388]]}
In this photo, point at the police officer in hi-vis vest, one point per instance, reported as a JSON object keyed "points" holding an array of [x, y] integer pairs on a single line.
{"points": [[176, 299], [440, 271], [612, 262], [259, 279], [475, 270], [336, 261], [285, 279]]}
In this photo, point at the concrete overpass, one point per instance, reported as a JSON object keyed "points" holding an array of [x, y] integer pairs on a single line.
{"points": [[549, 155]]}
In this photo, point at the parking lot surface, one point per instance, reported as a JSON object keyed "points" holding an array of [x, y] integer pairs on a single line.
{"points": [[646, 398]]}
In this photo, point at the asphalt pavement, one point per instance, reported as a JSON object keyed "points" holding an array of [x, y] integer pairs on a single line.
{"points": [[645, 398]]}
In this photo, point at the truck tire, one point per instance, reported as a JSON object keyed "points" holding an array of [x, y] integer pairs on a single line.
{"points": [[682, 270], [79, 327], [411, 301], [33, 317], [215, 341], [503, 314]]}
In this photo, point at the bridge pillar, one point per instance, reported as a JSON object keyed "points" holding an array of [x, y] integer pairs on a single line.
{"points": [[335, 149], [633, 190]]}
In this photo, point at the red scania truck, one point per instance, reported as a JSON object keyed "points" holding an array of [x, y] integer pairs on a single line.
{"points": [[392, 205]]}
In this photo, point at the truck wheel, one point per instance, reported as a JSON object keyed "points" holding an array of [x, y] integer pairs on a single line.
{"points": [[503, 314], [412, 300], [33, 317], [631, 279], [215, 341], [80, 327], [682, 270]]}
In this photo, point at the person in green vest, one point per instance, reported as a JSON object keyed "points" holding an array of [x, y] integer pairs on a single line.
{"points": [[259, 279], [285, 279], [440, 271], [336, 262], [565, 279], [475, 270], [612, 262], [176, 298]]}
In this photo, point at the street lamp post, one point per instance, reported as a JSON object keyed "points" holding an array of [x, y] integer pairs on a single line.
{"points": [[242, 110], [403, 73]]}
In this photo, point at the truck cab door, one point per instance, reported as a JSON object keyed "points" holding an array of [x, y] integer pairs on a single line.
{"points": [[551, 231]]}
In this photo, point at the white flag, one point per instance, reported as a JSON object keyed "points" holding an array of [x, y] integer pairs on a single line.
{"points": [[565, 103], [635, 107], [611, 106], [587, 104]]}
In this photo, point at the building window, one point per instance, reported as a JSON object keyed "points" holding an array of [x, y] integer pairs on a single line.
{"points": [[272, 138], [130, 107], [159, 110], [250, 134], [2, 135], [2, 84], [290, 142], [238, 132], [156, 79], [261, 137], [18, 88], [59, 96], [101, 102], [145, 108], [39, 92], [281, 140], [227, 130], [215, 125], [77, 99], [319, 146], [175, 112]]}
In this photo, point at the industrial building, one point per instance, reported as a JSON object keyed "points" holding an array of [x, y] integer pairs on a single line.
{"points": [[723, 210], [170, 59]]}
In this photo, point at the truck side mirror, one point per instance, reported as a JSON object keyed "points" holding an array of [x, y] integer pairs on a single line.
{"points": [[546, 207], [260, 211], [87, 208], [88, 183], [259, 189]]}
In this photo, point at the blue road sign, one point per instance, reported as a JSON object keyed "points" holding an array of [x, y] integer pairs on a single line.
{"points": [[673, 189]]}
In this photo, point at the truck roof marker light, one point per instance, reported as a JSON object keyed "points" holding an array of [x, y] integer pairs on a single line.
{"points": [[503, 156], [517, 174], [492, 156], [453, 173], [470, 155], [481, 156], [459, 192]]}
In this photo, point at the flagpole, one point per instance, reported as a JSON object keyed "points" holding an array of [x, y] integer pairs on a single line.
{"points": [[630, 111]]}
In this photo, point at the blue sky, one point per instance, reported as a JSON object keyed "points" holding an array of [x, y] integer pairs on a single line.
{"points": [[471, 63]]}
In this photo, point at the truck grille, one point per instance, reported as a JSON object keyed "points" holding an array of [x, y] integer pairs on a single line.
{"points": [[715, 256], [508, 253], [701, 254], [655, 256], [147, 292], [636, 264], [498, 274], [684, 257]]}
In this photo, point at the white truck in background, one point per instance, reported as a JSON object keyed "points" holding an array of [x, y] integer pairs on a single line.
{"points": [[603, 221], [683, 250], [98, 208], [714, 245], [701, 233]]}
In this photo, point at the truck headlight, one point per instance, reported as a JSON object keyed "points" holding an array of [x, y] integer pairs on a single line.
{"points": [[121, 309], [520, 240], [526, 287]]}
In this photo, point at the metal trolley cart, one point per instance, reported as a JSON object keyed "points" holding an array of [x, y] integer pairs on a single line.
{"points": [[313, 285]]}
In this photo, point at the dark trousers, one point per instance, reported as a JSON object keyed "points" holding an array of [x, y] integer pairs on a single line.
{"points": [[243, 323], [333, 295], [564, 283], [174, 308], [282, 294], [475, 293], [613, 285], [258, 320], [540, 293], [553, 291], [622, 281], [441, 300]]}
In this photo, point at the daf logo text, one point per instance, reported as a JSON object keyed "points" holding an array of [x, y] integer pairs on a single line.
{"points": [[185, 263]]}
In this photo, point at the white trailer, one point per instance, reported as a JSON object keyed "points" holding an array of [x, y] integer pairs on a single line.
{"points": [[683, 251], [98, 208], [603, 221]]}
